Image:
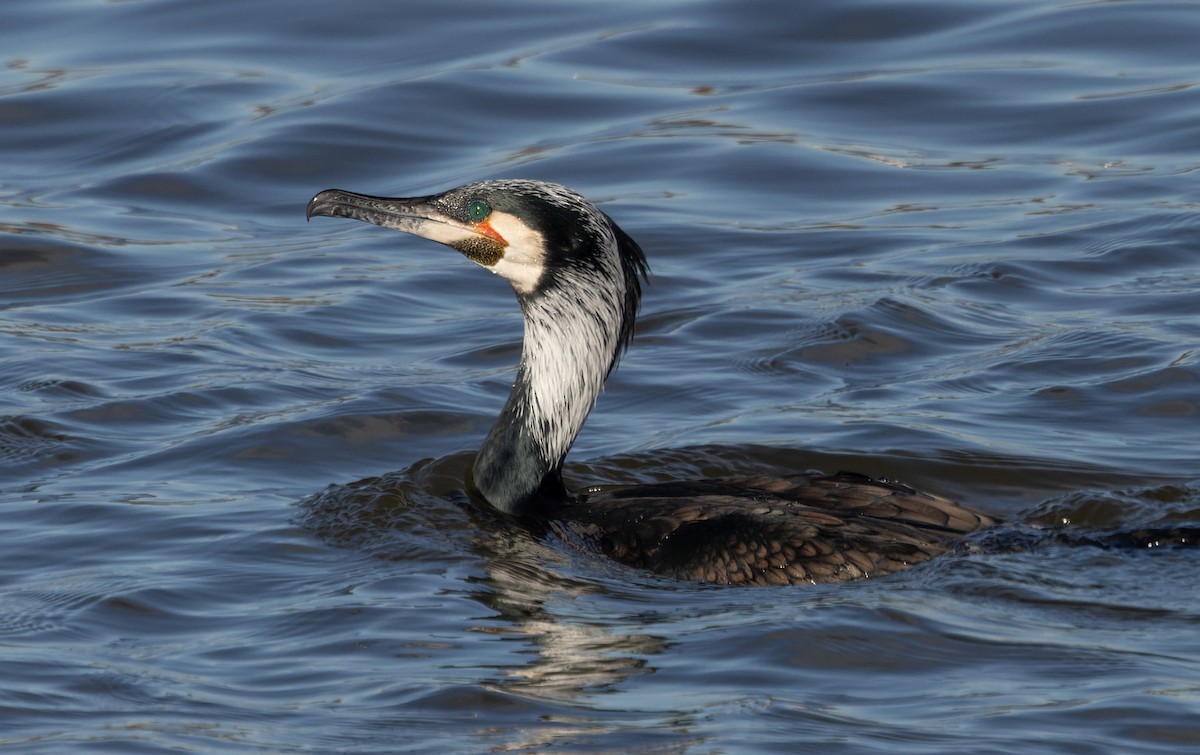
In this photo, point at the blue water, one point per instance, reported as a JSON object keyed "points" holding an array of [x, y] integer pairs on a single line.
{"points": [[952, 243]]}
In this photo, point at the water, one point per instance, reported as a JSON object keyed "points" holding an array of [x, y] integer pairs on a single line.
{"points": [[953, 243]]}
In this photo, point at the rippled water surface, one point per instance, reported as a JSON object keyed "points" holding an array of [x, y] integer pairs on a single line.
{"points": [[954, 243]]}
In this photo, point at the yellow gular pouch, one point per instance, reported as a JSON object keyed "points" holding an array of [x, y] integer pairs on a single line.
{"points": [[482, 250]]}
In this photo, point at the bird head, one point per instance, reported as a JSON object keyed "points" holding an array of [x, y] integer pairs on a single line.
{"points": [[525, 231]]}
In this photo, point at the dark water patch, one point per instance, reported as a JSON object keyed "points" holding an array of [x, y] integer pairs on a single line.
{"points": [[413, 515], [49, 270], [1159, 506], [28, 443]]}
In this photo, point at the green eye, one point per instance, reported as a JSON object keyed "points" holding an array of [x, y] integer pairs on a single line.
{"points": [[478, 210]]}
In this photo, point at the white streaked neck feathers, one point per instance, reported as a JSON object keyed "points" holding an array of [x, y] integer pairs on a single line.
{"points": [[571, 338], [573, 329]]}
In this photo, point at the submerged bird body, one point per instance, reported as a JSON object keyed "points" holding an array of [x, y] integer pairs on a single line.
{"points": [[771, 530], [577, 277]]}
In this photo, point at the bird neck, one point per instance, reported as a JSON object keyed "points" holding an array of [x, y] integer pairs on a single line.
{"points": [[573, 332]]}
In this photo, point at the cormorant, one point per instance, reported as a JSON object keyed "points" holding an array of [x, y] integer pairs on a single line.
{"points": [[577, 277]]}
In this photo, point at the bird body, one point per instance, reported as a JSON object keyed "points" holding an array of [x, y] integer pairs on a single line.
{"points": [[577, 277], [771, 530]]}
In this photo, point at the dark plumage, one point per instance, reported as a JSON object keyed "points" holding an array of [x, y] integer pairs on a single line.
{"points": [[577, 277], [771, 530]]}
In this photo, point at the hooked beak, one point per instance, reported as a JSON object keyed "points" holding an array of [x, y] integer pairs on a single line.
{"points": [[418, 216]]}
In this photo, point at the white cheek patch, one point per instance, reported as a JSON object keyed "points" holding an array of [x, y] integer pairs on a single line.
{"points": [[524, 259]]}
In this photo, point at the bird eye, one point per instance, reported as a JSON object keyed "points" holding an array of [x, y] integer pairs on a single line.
{"points": [[478, 210]]}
